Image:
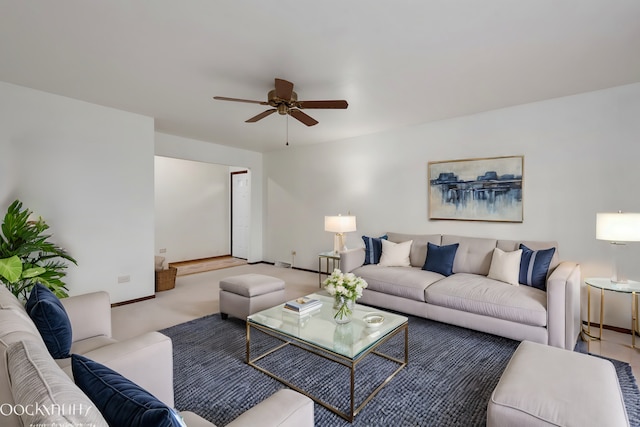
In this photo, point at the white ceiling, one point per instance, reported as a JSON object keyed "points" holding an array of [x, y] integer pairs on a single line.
{"points": [[396, 62]]}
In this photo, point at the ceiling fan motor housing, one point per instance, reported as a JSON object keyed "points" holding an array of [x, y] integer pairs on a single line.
{"points": [[282, 105]]}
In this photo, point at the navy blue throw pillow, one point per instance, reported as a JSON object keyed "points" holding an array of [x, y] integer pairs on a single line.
{"points": [[120, 401], [440, 258], [534, 266], [51, 319], [372, 249]]}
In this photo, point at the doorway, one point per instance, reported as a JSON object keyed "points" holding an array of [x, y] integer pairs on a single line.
{"points": [[240, 213]]}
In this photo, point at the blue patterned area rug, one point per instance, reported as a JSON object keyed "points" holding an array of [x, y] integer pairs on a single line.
{"points": [[448, 381]]}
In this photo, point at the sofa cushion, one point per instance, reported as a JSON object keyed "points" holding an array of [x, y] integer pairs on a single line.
{"points": [[37, 380], [395, 254], [86, 346], [440, 258], [372, 249], [418, 253], [50, 317], [89, 344], [505, 266], [405, 282], [17, 322], [121, 402], [534, 266], [9, 300], [480, 295], [474, 254]]}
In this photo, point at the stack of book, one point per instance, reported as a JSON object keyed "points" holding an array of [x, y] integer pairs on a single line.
{"points": [[302, 305]]}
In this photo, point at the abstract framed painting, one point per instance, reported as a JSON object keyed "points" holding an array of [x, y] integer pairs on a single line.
{"points": [[485, 189]]}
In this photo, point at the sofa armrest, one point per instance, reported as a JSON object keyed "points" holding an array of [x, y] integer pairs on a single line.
{"points": [[283, 408], [147, 360], [191, 419], [89, 314], [351, 259], [563, 305]]}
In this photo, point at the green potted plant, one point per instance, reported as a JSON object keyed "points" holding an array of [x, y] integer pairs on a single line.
{"points": [[27, 257]]}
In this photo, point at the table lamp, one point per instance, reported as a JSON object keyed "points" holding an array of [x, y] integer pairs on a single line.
{"points": [[339, 224], [618, 228]]}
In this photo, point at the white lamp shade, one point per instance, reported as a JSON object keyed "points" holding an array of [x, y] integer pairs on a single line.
{"points": [[618, 227], [339, 223]]}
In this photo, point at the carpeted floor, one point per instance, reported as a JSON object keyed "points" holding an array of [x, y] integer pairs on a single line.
{"points": [[448, 381]]}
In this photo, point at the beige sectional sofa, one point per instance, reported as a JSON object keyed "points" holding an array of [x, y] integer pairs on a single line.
{"points": [[146, 360], [470, 299], [30, 376]]}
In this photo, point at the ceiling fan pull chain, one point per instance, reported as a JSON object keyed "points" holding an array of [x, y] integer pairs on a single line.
{"points": [[287, 130]]}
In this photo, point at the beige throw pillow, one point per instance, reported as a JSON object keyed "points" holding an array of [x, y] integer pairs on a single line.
{"points": [[505, 266], [395, 254]]}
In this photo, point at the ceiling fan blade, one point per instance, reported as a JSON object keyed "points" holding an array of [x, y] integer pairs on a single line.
{"points": [[303, 117], [224, 98], [284, 89], [338, 104], [261, 116]]}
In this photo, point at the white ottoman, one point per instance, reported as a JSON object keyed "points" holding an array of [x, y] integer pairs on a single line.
{"points": [[246, 294], [549, 386]]}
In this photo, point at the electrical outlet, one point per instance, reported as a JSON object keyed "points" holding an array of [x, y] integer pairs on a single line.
{"points": [[163, 250], [124, 279]]}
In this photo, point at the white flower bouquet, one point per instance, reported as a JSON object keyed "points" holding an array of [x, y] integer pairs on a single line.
{"points": [[346, 289]]}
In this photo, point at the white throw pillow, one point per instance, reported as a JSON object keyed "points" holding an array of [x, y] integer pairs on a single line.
{"points": [[505, 266], [395, 254]]}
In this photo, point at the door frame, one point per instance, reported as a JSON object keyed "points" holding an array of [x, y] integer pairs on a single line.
{"points": [[231, 175]]}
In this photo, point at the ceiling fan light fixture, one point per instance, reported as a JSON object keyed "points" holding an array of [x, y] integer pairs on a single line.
{"points": [[285, 101]]}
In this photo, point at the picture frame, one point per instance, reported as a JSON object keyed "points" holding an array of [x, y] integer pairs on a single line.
{"points": [[480, 189]]}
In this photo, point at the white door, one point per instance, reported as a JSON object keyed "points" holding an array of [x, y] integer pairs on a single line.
{"points": [[240, 207]]}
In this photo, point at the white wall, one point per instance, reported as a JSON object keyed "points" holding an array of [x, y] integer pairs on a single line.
{"points": [[581, 154], [88, 171], [191, 209], [7, 168], [190, 149]]}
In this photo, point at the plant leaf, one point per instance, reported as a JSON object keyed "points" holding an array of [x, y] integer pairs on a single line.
{"points": [[33, 272], [11, 268], [41, 261]]}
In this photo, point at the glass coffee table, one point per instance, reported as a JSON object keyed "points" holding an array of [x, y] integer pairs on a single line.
{"points": [[318, 334]]}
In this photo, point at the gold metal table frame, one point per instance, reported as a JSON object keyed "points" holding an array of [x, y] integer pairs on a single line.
{"points": [[334, 357], [603, 284], [330, 258]]}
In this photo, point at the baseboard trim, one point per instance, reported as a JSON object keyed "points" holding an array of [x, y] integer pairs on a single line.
{"points": [[293, 268], [610, 328], [197, 260], [131, 301]]}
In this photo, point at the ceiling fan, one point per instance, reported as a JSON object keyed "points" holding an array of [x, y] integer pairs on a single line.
{"points": [[285, 101]]}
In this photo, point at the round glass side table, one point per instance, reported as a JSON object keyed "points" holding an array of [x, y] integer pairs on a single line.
{"points": [[604, 284]]}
